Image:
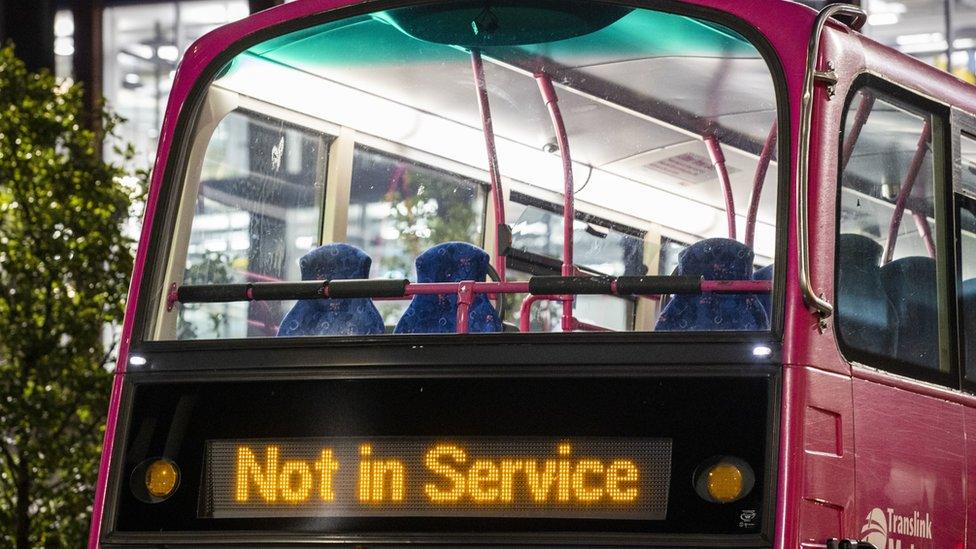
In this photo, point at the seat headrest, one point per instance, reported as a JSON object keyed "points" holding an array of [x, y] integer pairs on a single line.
{"points": [[452, 262], [335, 262], [859, 248], [716, 259]]}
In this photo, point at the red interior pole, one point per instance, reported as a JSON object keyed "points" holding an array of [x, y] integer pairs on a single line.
{"points": [[926, 232], [497, 197], [465, 299], [718, 160], [906, 190], [757, 184], [525, 311], [860, 118], [562, 139]]}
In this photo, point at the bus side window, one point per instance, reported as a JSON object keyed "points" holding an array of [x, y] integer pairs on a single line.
{"points": [[601, 246], [966, 238], [399, 208], [258, 210], [886, 284]]}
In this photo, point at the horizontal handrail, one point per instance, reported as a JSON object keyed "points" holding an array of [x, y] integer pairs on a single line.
{"points": [[403, 289]]}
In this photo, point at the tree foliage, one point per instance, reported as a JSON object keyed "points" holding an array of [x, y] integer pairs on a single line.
{"points": [[64, 267], [426, 211]]}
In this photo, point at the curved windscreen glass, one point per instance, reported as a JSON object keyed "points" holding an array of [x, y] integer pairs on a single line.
{"points": [[453, 160]]}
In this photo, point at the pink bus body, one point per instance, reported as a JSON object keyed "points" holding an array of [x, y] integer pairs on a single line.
{"points": [[859, 449]]}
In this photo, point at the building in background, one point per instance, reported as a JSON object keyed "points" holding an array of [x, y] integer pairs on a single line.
{"points": [[925, 28], [141, 46]]}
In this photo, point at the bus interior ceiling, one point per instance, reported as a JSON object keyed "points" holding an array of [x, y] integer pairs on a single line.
{"points": [[637, 111]]}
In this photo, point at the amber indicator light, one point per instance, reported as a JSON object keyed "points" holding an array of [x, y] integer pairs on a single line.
{"points": [[724, 479]]}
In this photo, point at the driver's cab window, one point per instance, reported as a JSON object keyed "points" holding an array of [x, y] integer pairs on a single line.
{"points": [[380, 149]]}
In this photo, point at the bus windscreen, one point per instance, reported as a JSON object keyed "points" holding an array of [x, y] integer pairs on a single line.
{"points": [[400, 145]]}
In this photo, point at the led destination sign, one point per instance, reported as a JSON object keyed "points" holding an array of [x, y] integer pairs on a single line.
{"points": [[600, 478]]}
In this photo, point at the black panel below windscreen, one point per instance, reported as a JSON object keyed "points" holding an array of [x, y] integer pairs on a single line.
{"points": [[704, 416]]}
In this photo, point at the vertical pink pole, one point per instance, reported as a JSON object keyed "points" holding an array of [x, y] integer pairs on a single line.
{"points": [[465, 299], [860, 118], [494, 174], [757, 184], [926, 232], [569, 212], [718, 160], [906, 190]]}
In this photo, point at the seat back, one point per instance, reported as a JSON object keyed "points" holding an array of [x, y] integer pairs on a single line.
{"points": [[910, 283], [312, 317], [866, 318], [714, 259], [429, 314], [765, 273]]}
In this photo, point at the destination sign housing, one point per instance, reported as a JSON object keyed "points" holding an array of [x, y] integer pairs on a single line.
{"points": [[598, 478]]}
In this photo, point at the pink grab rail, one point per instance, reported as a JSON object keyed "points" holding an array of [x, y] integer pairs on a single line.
{"points": [[718, 161], [569, 208], [497, 194]]}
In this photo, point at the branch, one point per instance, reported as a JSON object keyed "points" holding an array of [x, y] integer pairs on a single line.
{"points": [[10, 502], [10, 458], [12, 465], [108, 353], [54, 487], [48, 289], [67, 418], [7, 493]]}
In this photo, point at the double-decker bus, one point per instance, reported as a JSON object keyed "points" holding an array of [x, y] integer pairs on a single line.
{"points": [[676, 273]]}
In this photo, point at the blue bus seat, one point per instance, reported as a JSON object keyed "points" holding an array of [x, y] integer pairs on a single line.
{"points": [[866, 317], [437, 314], [315, 317], [910, 283], [765, 273], [714, 259]]}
